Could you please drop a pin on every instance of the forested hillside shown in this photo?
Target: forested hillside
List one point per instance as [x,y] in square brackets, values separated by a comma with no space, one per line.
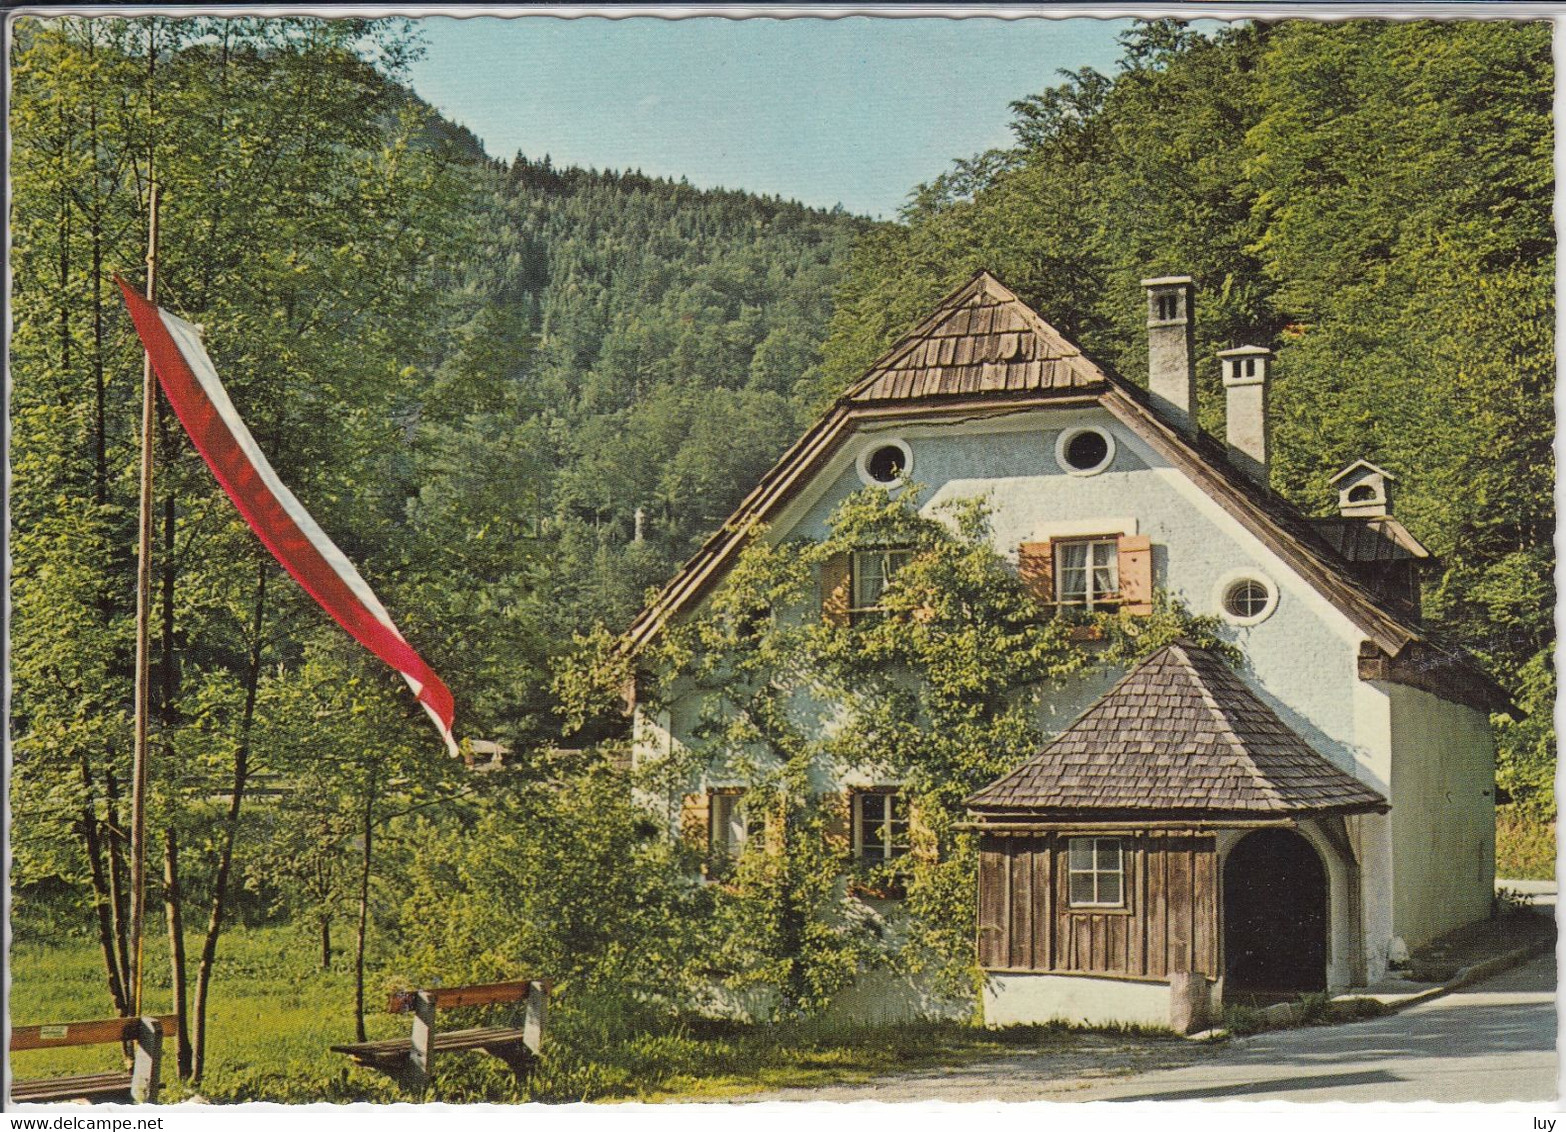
[621,345]
[1370,199]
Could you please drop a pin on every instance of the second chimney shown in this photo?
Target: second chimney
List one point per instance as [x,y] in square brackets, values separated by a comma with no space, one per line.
[1245,383]
[1171,369]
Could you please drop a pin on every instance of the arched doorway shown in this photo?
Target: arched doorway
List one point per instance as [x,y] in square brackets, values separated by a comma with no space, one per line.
[1274,916]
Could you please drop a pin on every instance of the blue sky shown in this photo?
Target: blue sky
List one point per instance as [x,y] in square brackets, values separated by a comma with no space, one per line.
[854,111]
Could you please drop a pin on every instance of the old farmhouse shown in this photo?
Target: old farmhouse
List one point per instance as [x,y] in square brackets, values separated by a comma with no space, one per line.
[1195,831]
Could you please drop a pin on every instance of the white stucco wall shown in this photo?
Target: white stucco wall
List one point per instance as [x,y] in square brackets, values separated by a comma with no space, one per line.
[1027,1000]
[1443,819]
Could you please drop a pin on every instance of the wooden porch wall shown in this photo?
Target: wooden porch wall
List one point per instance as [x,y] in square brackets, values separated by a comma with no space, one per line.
[1169,922]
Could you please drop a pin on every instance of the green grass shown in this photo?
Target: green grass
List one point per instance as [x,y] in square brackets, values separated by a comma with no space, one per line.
[1524,846]
[274,1015]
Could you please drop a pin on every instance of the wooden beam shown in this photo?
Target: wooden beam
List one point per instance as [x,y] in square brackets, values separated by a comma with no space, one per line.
[93,1033]
[448,998]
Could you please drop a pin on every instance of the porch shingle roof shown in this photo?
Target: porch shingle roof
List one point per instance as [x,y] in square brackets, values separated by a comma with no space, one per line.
[1179,733]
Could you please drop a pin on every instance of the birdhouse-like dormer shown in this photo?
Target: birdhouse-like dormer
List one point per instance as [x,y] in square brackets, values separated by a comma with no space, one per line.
[1364,491]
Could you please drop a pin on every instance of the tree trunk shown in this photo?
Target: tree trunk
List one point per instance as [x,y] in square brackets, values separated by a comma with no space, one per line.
[101,896]
[230,831]
[118,895]
[171,906]
[325,925]
[364,908]
[65,246]
[166,651]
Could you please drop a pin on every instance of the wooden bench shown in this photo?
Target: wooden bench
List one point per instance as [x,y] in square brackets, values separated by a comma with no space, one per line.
[408,1061]
[140,1084]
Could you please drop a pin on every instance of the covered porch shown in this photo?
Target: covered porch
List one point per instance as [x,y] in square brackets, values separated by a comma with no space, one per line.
[1175,847]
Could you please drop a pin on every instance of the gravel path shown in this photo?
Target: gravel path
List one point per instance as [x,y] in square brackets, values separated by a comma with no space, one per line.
[1091,1060]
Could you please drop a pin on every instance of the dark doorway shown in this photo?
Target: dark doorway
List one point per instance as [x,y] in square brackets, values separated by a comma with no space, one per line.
[1274,917]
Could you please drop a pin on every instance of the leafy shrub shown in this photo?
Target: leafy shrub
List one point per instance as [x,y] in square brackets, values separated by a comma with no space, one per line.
[1524,845]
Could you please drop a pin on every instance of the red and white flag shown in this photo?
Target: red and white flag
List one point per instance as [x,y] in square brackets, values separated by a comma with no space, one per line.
[295,539]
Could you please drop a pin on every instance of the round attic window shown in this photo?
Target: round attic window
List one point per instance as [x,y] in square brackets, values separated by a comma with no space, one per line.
[1246,598]
[885,463]
[1084,451]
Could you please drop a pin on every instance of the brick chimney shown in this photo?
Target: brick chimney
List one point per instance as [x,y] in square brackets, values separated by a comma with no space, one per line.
[1171,368]
[1246,427]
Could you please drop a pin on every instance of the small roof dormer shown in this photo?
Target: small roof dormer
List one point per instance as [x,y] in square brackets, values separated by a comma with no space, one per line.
[1364,491]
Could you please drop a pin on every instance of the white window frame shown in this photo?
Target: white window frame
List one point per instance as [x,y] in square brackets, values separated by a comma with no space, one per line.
[889,834]
[1234,578]
[728,824]
[1089,599]
[1095,872]
[862,464]
[1063,442]
[903,555]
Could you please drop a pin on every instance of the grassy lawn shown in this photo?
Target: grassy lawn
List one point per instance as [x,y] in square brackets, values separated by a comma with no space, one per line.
[274,1015]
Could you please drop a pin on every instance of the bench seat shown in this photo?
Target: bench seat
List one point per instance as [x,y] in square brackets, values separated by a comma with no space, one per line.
[450,1041]
[95,1087]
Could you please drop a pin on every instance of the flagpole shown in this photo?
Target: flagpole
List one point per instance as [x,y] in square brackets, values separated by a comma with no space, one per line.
[143,620]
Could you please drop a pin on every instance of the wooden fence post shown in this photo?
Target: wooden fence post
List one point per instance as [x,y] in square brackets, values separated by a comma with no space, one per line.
[533,1019]
[148,1060]
[422,1054]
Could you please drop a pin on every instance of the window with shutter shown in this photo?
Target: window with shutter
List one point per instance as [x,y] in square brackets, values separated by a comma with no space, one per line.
[880,826]
[732,824]
[1087,572]
[1096,573]
[873,571]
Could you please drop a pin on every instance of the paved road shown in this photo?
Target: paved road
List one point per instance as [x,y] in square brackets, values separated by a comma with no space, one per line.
[1493,1042]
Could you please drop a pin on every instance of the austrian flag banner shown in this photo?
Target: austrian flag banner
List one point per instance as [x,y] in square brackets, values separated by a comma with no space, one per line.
[295,539]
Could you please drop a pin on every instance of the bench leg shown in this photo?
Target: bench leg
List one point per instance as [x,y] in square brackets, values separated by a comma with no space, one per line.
[147,1061]
[517,1057]
[533,1020]
[420,1057]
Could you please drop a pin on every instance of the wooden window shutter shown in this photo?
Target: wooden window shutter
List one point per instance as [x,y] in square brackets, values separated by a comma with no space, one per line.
[837,580]
[696,821]
[838,826]
[1036,567]
[774,831]
[1136,574]
[921,838]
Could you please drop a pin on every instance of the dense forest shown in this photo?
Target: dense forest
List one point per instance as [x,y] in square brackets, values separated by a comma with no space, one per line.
[518,395]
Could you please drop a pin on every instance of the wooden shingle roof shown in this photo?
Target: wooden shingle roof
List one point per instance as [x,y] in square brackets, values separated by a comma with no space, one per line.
[1181,734]
[1381,539]
[981,339]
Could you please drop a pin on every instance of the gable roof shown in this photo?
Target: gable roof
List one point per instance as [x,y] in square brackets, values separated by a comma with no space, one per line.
[1017,360]
[1181,734]
[980,339]
[1367,465]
